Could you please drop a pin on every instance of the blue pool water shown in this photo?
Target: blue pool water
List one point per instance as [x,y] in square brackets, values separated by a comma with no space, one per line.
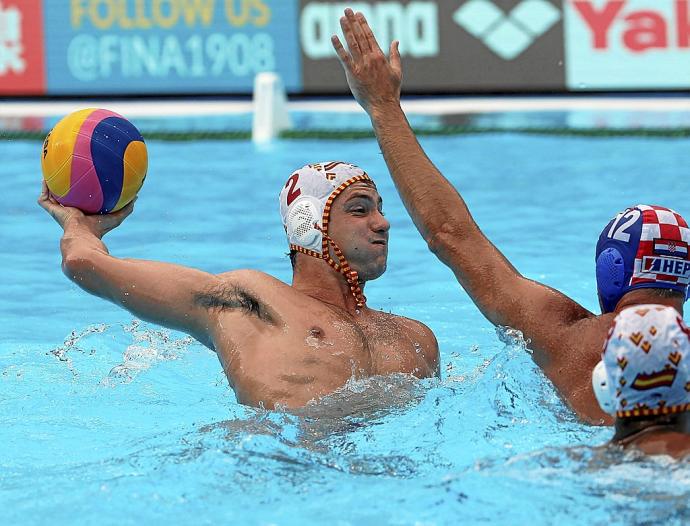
[106,420]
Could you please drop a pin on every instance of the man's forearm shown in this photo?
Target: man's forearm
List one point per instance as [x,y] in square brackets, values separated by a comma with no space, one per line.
[436,208]
[80,247]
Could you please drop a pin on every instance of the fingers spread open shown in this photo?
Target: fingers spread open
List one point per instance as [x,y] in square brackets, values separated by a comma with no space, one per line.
[361,38]
[368,33]
[350,38]
[343,55]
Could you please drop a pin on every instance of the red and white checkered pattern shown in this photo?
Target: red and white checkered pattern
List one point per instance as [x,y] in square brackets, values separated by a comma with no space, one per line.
[658,223]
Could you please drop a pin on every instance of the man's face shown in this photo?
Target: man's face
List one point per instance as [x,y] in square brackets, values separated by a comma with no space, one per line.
[358,227]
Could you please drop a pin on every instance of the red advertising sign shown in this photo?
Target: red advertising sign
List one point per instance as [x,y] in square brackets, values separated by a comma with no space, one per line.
[627,44]
[21,48]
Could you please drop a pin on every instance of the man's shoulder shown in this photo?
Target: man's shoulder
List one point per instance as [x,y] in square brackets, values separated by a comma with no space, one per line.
[249,278]
[577,348]
[596,326]
[408,324]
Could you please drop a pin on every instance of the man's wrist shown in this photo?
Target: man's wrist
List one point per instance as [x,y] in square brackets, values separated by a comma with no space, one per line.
[75,226]
[383,110]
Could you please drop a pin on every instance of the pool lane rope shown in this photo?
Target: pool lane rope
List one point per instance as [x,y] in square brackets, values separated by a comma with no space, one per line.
[242,135]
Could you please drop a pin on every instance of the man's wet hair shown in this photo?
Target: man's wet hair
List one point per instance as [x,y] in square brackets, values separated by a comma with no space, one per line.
[628,427]
[667,293]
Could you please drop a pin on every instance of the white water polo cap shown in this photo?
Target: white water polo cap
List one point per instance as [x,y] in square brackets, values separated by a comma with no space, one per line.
[305,207]
[645,367]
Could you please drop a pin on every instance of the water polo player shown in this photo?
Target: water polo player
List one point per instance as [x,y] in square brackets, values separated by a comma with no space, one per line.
[278,344]
[642,256]
[643,380]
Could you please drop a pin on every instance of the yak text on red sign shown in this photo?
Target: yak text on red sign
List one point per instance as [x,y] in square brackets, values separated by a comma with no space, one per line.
[633,44]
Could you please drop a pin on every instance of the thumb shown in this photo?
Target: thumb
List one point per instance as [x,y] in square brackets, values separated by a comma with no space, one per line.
[123,212]
[396,63]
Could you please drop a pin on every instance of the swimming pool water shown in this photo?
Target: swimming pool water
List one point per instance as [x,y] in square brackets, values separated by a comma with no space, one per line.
[108,420]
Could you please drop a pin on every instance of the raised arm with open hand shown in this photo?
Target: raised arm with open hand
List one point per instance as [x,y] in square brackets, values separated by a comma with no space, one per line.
[374,80]
[549,319]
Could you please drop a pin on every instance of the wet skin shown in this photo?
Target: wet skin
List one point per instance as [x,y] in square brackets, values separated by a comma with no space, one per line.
[661,435]
[279,344]
[666,442]
[566,338]
[296,348]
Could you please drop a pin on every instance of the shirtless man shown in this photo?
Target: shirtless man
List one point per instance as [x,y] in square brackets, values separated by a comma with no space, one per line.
[642,254]
[278,344]
[643,380]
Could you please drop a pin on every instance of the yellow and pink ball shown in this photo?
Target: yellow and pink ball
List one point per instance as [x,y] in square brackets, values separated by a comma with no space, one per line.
[94,160]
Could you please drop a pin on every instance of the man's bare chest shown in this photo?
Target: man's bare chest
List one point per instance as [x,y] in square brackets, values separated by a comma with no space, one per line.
[309,355]
[324,343]
[377,344]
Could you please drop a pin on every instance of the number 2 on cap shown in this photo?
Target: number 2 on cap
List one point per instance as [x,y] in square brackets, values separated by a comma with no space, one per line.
[619,232]
[293,193]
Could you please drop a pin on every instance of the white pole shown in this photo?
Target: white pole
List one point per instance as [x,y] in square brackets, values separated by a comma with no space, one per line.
[270,108]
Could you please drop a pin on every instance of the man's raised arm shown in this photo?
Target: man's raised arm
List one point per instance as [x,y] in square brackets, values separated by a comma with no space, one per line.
[161,293]
[502,294]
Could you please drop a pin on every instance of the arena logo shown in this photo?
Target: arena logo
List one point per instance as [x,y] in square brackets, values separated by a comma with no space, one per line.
[507,35]
[644,29]
[414,24]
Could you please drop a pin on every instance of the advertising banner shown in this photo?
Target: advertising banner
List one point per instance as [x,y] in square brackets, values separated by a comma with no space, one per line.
[171,46]
[138,47]
[627,44]
[21,48]
[449,45]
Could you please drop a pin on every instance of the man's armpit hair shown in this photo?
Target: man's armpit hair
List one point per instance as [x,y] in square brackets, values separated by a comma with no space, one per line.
[229,297]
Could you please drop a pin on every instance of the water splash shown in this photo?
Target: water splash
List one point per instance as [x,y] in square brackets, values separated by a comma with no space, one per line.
[513,338]
[150,346]
[634,484]
[326,433]
[70,345]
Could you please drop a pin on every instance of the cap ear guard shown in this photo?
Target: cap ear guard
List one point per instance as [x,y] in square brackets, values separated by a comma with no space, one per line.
[303,215]
[602,389]
[610,278]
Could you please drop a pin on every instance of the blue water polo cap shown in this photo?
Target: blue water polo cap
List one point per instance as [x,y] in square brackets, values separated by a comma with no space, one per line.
[642,247]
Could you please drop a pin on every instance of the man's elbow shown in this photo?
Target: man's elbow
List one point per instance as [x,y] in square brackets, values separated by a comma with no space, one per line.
[445,241]
[76,266]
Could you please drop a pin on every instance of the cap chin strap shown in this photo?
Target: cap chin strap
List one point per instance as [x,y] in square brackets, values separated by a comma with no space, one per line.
[343,267]
[306,215]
